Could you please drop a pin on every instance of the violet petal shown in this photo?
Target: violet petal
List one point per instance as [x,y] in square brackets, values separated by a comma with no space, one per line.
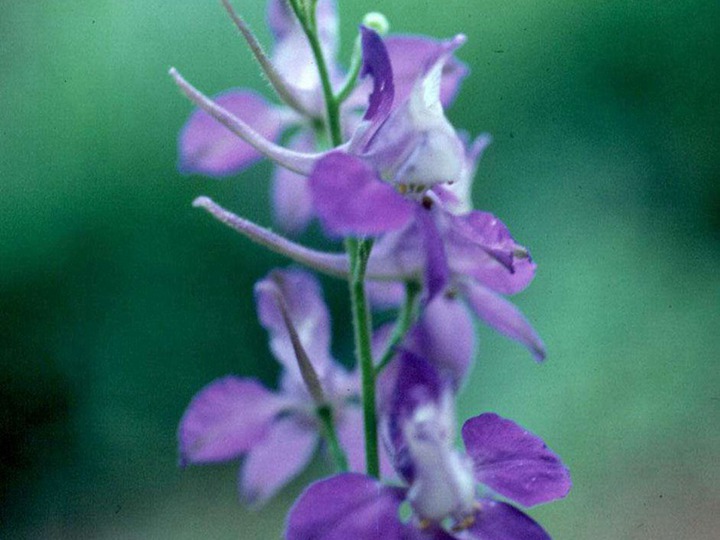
[349,198]
[437,272]
[446,337]
[415,383]
[501,521]
[277,459]
[308,312]
[503,316]
[480,245]
[347,506]
[207,147]
[225,419]
[292,201]
[351,433]
[514,462]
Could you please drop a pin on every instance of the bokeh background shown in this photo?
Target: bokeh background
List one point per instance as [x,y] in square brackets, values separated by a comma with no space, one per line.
[118,300]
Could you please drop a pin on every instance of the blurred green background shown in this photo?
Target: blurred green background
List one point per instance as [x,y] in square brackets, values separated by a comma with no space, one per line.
[118,300]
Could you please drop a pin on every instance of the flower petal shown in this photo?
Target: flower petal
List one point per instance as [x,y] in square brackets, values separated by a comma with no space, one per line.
[415,384]
[292,56]
[352,438]
[347,506]
[503,316]
[308,312]
[514,462]
[207,147]
[410,56]
[350,199]
[292,201]
[277,459]
[437,271]
[481,246]
[225,419]
[446,337]
[500,521]
[376,63]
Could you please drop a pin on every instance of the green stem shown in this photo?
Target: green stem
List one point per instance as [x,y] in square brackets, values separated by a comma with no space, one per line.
[402,325]
[359,251]
[351,80]
[325,415]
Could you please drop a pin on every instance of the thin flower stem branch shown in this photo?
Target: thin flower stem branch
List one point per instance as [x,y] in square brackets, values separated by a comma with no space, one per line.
[352,77]
[402,325]
[359,251]
[324,413]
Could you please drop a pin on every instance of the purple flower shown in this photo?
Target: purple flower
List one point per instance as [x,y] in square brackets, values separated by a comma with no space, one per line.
[277,432]
[440,480]
[207,146]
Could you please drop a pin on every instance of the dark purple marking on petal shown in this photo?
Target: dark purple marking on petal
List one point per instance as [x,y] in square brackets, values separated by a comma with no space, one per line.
[446,337]
[277,459]
[480,245]
[497,520]
[207,147]
[437,272]
[226,419]
[307,310]
[376,63]
[503,316]
[350,199]
[513,461]
[347,506]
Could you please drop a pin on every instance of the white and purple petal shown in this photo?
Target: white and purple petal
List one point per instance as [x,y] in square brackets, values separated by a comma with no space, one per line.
[226,419]
[208,147]
[513,461]
[277,459]
[347,506]
[502,315]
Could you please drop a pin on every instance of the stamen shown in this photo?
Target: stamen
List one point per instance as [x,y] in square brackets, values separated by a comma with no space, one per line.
[464,524]
[427,203]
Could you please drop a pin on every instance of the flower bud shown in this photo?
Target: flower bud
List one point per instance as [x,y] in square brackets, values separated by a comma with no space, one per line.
[377,21]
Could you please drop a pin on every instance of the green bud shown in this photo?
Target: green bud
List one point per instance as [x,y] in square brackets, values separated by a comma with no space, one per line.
[377,21]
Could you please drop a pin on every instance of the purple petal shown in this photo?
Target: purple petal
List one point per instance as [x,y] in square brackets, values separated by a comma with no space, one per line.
[352,438]
[292,201]
[308,312]
[376,63]
[292,56]
[277,459]
[503,316]
[207,147]
[350,199]
[480,245]
[347,506]
[437,272]
[226,419]
[514,462]
[410,56]
[415,383]
[446,337]
[384,294]
[497,520]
